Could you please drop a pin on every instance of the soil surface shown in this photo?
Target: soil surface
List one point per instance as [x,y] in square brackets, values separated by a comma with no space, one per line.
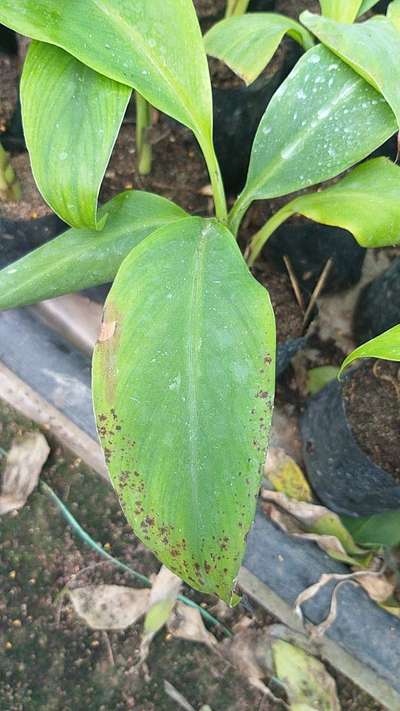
[372,397]
[8,88]
[178,171]
[51,660]
[31,206]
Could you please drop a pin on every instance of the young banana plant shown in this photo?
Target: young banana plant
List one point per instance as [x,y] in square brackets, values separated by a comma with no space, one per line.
[184,368]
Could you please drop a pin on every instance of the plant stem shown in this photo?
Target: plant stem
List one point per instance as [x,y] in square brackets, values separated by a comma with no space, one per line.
[237,213]
[10,188]
[217,184]
[236,7]
[260,238]
[143,125]
[118,563]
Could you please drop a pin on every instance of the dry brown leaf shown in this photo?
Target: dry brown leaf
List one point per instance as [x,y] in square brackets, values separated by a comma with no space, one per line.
[316,523]
[107,330]
[306,513]
[248,652]
[22,471]
[329,544]
[109,607]
[186,623]
[378,587]
[251,653]
[354,578]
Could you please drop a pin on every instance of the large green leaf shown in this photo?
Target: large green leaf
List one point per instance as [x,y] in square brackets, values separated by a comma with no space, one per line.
[155,47]
[81,258]
[322,120]
[371,48]
[247,43]
[183,387]
[385,346]
[366,202]
[72,116]
[341,10]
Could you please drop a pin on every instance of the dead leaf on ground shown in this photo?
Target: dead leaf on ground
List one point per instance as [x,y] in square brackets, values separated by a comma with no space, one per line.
[109,607]
[286,476]
[24,464]
[186,623]
[250,653]
[308,685]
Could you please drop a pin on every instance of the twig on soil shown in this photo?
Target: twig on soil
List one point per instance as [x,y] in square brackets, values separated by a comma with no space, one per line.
[142,578]
[294,282]
[317,291]
[176,696]
[109,648]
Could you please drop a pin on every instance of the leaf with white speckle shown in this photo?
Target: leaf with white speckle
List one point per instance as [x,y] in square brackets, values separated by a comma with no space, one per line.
[311,132]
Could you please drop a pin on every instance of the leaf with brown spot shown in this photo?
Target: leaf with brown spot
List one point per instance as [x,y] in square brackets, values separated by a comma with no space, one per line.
[107,330]
[180,379]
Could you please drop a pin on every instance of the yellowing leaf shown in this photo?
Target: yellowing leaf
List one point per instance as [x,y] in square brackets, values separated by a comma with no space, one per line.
[286,476]
[308,684]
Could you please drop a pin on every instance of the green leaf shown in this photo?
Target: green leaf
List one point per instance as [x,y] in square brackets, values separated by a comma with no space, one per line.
[310,131]
[72,117]
[371,48]
[78,259]
[155,47]
[386,346]
[393,13]
[366,202]
[378,530]
[247,43]
[317,378]
[183,382]
[308,684]
[341,10]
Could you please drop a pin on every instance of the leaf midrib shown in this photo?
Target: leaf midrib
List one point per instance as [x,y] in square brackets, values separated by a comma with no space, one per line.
[302,137]
[193,358]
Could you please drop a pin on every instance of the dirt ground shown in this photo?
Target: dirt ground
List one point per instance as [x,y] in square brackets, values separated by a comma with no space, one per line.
[50,660]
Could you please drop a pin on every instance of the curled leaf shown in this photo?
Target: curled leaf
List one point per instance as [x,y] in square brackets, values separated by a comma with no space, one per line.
[186,623]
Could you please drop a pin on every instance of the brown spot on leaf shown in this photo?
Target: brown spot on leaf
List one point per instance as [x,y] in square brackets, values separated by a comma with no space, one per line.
[107,330]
